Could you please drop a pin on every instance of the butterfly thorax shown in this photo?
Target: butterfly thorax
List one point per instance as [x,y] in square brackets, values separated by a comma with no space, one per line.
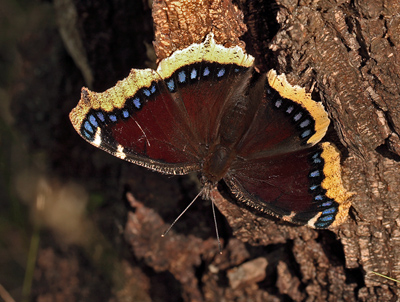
[217,163]
[234,123]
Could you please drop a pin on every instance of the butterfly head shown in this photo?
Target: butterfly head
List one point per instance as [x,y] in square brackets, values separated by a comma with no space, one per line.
[208,187]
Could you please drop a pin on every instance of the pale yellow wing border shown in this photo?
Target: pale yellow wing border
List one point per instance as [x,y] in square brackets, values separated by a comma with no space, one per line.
[299,95]
[116,96]
[333,184]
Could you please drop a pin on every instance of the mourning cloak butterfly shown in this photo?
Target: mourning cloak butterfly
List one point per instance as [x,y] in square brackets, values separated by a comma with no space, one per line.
[206,109]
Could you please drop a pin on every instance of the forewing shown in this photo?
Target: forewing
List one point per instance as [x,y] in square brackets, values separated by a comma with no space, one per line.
[165,119]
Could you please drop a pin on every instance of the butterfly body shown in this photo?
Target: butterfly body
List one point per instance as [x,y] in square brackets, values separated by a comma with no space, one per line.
[206,110]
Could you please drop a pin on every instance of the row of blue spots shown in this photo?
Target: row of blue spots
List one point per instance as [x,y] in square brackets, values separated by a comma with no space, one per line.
[90,126]
[304,123]
[296,117]
[182,78]
[137,102]
[316,159]
[91,123]
[149,91]
[92,120]
[328,215]
[325,203]
[326,219]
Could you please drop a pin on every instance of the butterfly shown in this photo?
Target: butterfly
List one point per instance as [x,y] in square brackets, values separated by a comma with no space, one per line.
[207,110]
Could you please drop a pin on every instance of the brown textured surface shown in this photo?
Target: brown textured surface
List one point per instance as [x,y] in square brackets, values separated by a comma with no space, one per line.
[179,23]
[347,51]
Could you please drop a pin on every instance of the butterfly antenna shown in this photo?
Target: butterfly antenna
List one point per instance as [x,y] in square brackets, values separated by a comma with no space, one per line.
[183,212]
[216,226]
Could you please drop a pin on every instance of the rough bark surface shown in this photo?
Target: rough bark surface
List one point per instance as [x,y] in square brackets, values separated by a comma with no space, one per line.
[346,52]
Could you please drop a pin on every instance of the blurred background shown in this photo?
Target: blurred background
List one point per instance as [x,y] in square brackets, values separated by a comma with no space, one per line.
[61,219]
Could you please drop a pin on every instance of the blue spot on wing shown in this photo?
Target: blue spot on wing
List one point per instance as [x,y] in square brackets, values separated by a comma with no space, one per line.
[329,211]
[278,103]
[87,135]
[171,85]
[298,116]
[327,218]
[88,127]
[193,74]
[221,72]
[315,155]
[147,92]
[305,123]
[327,204]
[305,133]
[289,109]
[316,159]
[93,120]
[323,224]
[315,173]
[112,117]
[100,115]
[153,88]
[319,198]
[136,102]
[206,72]
[181,77]
[125,113]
